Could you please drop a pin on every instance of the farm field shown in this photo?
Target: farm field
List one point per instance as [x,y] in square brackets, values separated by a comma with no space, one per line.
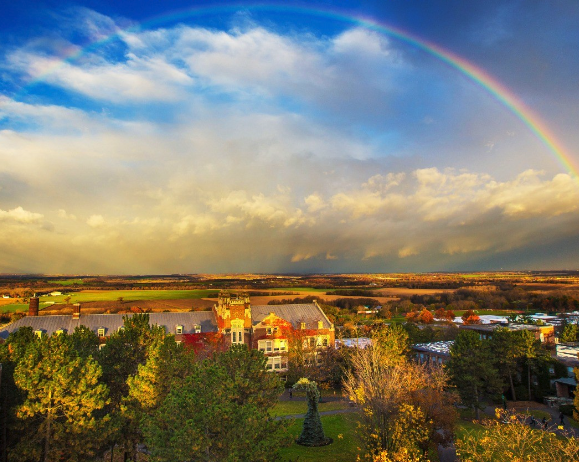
[164,299]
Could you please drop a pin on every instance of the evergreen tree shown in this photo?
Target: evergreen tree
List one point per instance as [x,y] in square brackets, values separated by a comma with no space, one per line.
[11,352]
[204,419]
[506,348]
[312,431]
[531,351]
[472,369]
[62,394]
[120,358]
[85,342]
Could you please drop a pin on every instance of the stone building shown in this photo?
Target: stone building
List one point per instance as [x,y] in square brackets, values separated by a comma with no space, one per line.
[233,320]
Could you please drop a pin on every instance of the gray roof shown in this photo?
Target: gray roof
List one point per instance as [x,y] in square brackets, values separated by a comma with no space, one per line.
[112,322]
[441,348]
[567,381]
[295,314]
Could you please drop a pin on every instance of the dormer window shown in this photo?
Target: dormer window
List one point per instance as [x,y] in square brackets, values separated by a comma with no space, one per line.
[197,328]
[101,332]
[302,325]
[269,331]
[38,333]
[179,329]
[320,324]
[59,331]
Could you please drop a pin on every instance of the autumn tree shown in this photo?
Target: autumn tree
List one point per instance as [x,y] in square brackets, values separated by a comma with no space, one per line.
[425,317]
[213,415]
[472,369]
[470,317]
[517,441]
[62,395]
[405,405]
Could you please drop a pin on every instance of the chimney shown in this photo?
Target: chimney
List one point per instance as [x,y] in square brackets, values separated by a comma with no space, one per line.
[33,306]
[76,311]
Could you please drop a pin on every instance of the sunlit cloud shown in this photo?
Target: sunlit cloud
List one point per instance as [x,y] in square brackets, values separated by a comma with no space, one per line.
[254,149]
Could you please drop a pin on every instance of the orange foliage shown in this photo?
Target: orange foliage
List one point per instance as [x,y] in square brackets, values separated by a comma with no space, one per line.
[426,317]
[470,317]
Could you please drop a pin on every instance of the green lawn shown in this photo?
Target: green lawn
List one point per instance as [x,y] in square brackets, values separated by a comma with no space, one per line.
[301,407]
[340,427]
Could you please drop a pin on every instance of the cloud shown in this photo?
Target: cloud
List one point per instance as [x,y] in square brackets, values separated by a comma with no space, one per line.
[96,221]
[256,149]
[19,215]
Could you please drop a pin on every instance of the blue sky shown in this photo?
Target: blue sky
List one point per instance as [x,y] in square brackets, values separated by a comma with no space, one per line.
[145,137]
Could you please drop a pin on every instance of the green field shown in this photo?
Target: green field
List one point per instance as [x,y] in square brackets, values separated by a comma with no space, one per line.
[113,295]
[300,289]
[68,282]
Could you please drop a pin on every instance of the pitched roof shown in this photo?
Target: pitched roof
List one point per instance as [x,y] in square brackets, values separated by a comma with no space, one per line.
[112,322]
[309,313]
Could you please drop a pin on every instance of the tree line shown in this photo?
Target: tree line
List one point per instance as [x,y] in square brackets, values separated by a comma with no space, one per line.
[63,398]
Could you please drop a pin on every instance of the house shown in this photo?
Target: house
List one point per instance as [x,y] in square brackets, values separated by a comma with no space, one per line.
[546,334]
[433,352]
[233,320]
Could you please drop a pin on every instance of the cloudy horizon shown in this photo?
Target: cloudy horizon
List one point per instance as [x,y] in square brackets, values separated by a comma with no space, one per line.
[246,142]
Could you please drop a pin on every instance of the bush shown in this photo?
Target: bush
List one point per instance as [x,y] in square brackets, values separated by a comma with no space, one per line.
[567,409]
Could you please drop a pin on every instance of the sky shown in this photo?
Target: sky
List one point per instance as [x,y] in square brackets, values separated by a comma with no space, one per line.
[147,137]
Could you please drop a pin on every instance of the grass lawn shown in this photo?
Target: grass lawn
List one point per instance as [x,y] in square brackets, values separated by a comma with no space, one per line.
[301,407]
[343,448]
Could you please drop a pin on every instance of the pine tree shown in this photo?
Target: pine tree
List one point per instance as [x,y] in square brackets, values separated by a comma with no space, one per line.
[204,419]
[472,369]
[506,348]
[62,394]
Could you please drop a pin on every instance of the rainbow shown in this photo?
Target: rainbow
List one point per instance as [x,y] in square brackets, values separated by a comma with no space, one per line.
[474,73]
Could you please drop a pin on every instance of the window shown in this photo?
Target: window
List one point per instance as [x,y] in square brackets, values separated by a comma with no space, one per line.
[325,341]
[269,331]
[302,325]
[179,329]
[59,331]
[197,328]
[276,363]
[320,324]
[237,331]
[101,332]
[38,333]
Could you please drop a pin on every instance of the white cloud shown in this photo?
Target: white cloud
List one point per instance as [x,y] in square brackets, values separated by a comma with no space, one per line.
[19,215]
[96,221]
